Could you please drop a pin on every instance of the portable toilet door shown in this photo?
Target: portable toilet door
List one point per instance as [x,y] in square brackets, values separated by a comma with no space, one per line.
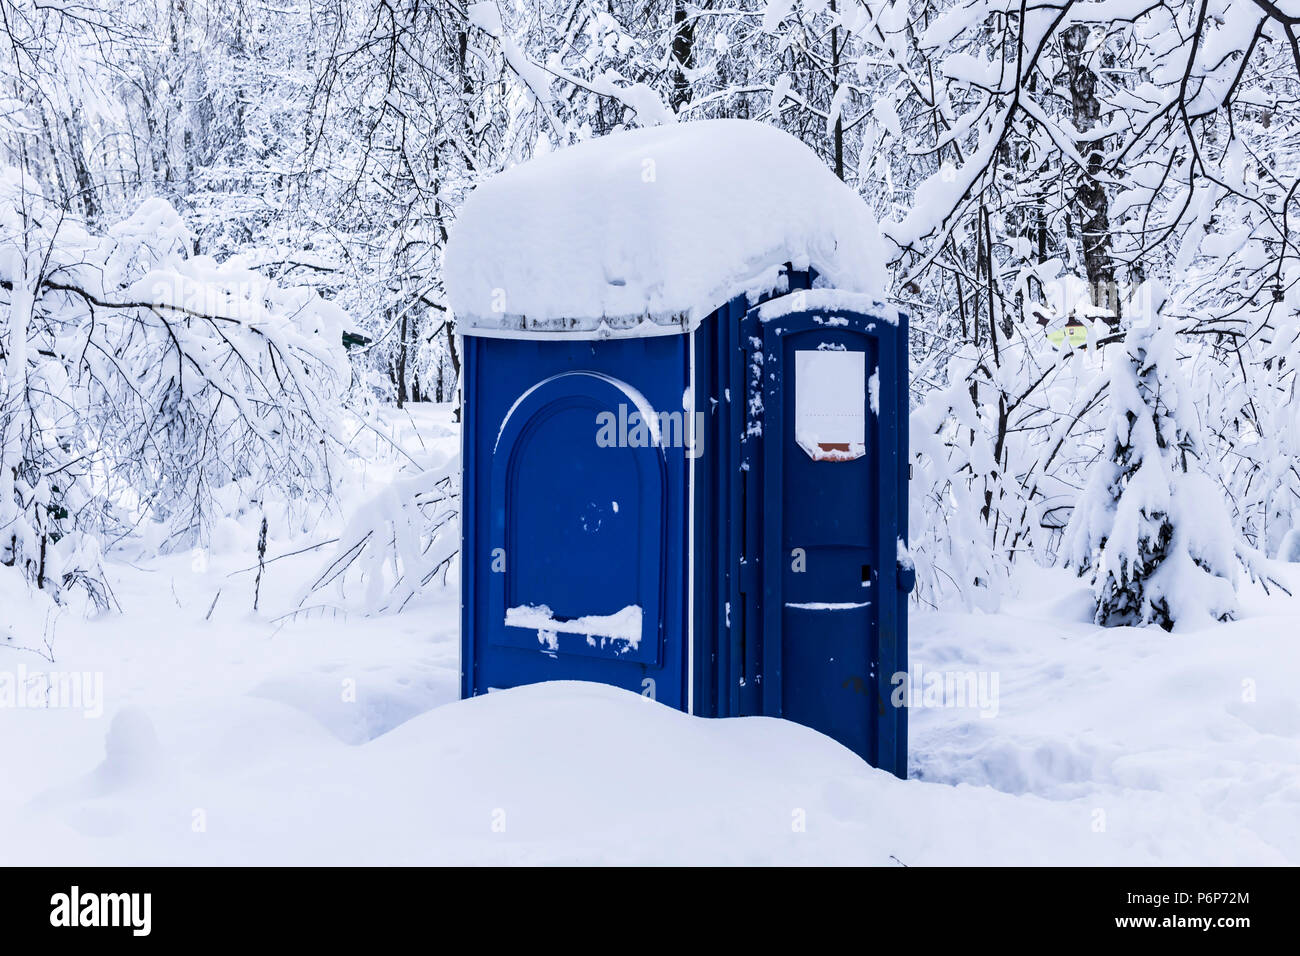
[575,516]
[833,482]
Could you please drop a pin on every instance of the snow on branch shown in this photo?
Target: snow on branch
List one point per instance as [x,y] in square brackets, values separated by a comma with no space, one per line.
[144,385]
[400,540]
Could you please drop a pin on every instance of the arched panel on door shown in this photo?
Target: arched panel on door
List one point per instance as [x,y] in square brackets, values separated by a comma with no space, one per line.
[578,513]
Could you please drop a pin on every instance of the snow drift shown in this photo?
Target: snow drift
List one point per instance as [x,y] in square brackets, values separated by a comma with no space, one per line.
[653,229]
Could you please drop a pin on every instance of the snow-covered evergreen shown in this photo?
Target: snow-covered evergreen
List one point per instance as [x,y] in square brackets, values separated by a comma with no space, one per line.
[1150,527]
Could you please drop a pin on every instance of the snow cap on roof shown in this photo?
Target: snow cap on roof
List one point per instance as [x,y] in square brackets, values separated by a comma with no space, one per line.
[650,230]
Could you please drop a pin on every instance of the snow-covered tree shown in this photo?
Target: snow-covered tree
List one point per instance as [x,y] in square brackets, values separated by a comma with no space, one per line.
[146,387]
[1151,527]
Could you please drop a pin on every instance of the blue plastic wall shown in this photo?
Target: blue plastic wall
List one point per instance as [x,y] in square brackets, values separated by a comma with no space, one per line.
[552,518]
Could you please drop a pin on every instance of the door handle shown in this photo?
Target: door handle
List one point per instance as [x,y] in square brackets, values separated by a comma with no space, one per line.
[906,578]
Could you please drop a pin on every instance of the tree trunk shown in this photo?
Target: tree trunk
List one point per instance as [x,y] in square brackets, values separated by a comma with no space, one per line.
[401,365]
[683,54]
[835,79]
[87,198]
[1091,199]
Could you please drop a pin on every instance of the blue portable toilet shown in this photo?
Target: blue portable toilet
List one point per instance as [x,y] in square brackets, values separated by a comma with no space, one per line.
[684,432]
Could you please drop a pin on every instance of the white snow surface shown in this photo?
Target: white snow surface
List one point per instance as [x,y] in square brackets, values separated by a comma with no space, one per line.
[650,230]
[245,724]
[827,300]
[623,625]
[223,736]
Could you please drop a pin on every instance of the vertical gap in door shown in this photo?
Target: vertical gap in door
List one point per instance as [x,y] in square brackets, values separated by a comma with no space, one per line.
[744,573]
[691,451]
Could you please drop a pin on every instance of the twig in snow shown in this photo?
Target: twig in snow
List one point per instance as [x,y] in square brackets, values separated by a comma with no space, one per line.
[261,563]
[212,606]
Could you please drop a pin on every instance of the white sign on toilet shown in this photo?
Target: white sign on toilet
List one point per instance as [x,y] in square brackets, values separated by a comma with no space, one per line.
[830,404]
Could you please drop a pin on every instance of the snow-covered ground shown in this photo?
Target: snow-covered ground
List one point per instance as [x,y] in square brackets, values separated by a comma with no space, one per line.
[329,738]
